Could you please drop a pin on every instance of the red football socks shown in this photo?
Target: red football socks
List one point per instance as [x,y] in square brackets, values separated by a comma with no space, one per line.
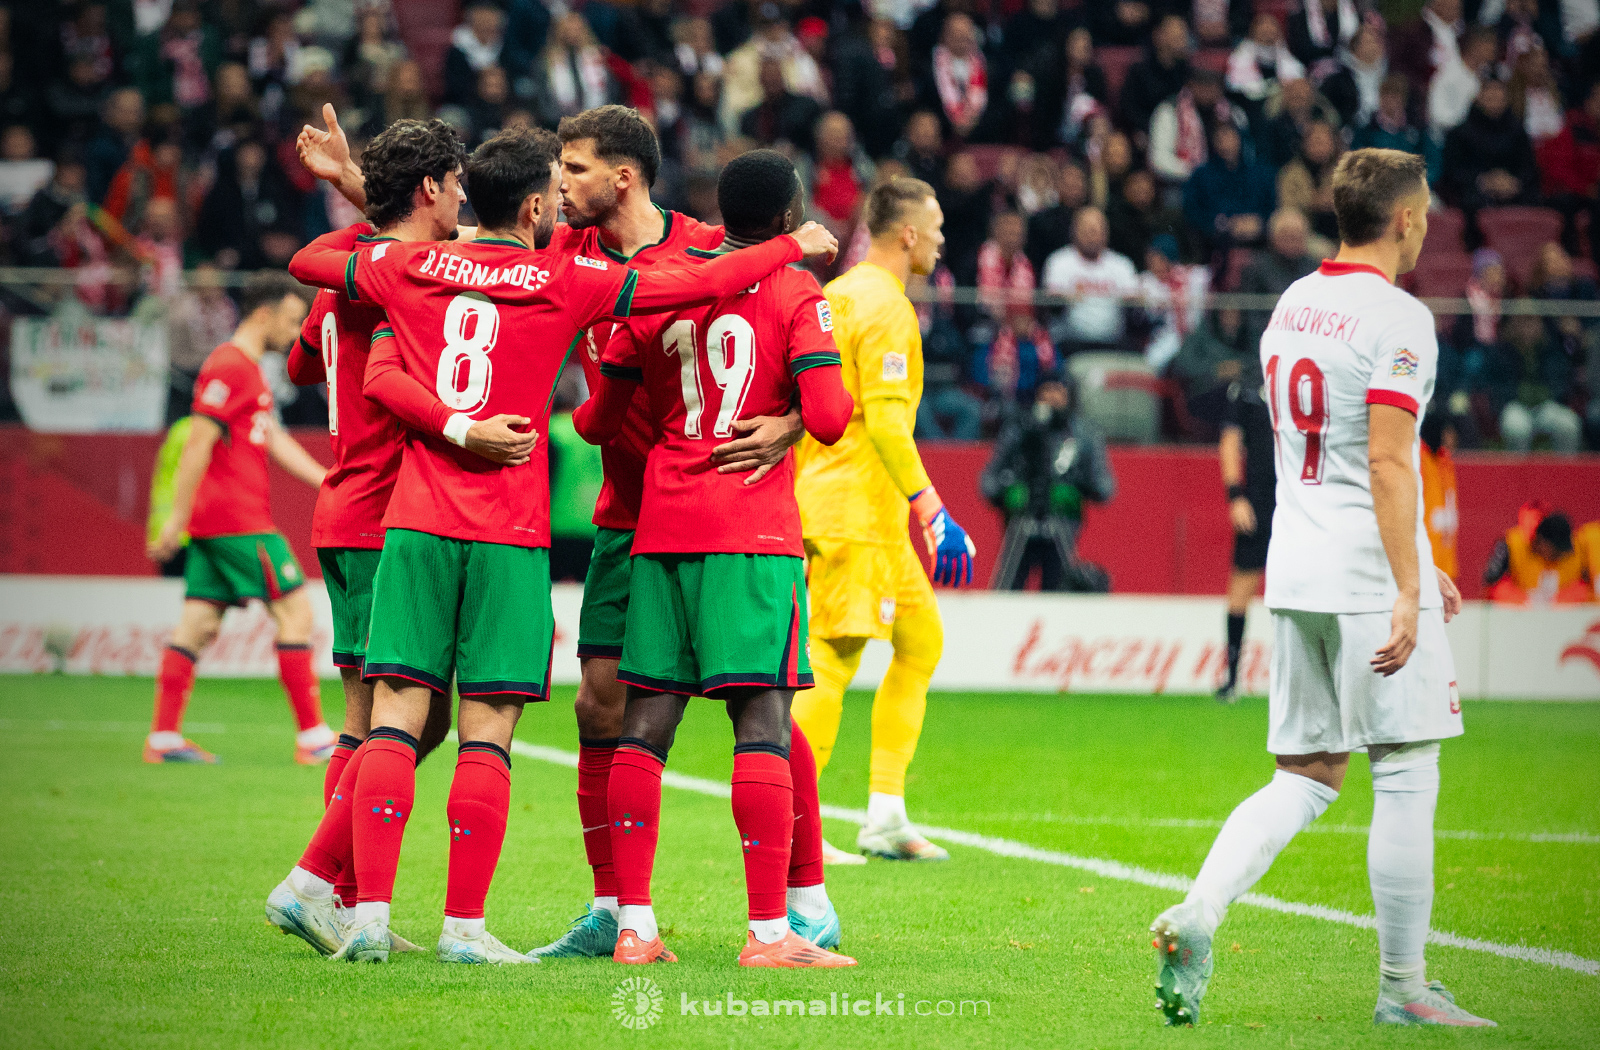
[480,799]
[174,684]
[330,853]
[341,754]
[633,800]
[300,684]
[384,788]
[594,776]
[763,811]
[805,852]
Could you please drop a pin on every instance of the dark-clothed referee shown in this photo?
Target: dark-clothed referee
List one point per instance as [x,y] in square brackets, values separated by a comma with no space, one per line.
[1247,471]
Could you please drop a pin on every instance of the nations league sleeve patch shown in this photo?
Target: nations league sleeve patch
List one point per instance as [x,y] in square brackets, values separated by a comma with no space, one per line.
[824,316]
[215,395]
[593,264]
[1405,363]
[894,367]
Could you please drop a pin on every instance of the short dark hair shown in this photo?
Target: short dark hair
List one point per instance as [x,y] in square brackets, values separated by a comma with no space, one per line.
[620,135]
[1556,530]
[267,288]
[399,158]
[506,170]
[754,189]
[1366,185]
[888,201]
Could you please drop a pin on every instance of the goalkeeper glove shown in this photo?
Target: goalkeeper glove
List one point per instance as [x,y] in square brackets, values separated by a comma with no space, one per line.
[951,547]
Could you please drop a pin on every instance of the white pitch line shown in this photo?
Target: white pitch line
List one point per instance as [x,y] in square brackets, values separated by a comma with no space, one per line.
[1585,838]
[1112,869]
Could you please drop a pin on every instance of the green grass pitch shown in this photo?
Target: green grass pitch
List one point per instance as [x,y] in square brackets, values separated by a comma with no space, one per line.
[133,894]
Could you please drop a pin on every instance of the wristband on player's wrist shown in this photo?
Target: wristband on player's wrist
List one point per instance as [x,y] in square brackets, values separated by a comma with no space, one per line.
[1237,492]
[456,427]
[926,504]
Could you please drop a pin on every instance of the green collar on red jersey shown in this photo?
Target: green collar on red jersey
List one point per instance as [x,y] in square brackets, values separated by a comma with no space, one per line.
[368,238]
[509,242]
[666,231]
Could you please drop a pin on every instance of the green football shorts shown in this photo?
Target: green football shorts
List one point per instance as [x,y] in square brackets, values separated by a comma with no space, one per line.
[604,617]
[478,612]
[703,624]
[349,572]
[229,569]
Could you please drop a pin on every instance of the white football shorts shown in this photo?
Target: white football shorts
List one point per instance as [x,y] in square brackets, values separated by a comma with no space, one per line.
[1325,696]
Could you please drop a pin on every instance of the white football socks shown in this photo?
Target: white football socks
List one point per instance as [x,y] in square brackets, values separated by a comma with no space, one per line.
[370,911]
[810,902]
[769,930]
[886,811]
[309,885]
[317,736]
[1405,792]
[641,919]
[608,905]
[1254,834]
[165,740]
[465,929]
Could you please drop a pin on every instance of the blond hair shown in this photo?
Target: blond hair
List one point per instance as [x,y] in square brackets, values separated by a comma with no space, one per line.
[888,201]
[1366,186]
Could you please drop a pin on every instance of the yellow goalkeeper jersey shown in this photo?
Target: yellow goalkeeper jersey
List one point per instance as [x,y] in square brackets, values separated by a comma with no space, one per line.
[844,491]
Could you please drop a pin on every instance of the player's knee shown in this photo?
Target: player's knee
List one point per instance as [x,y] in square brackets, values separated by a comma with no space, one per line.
[653,719]
[293,613]
[1406,768]
[436,728]
[601,700]
[919,640]
[761,718]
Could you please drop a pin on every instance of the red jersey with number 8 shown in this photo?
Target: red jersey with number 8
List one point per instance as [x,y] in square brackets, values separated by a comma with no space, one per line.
[367,438]
[702,368]
[232,497]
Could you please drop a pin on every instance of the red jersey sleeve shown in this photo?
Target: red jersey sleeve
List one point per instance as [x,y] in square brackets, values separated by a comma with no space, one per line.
[600,419]
[375,274]
[224,393]
[305,365]
[322,262]
[388,383]
[825,406]
[596,290]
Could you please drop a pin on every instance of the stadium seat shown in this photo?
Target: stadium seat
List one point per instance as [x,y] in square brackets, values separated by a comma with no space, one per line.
[1115,63]
[1445,228]
[1518,234]
[1441,276]
[1586,268]
[1120,394]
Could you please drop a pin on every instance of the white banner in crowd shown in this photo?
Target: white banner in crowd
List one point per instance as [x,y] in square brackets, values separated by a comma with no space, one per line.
[1015,642]
[75,373]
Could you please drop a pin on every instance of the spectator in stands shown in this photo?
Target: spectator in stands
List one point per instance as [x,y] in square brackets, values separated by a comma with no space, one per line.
[1554,279]
[921,148]
[152,171]
[250,198]
[1111,155]
[696,49]
[1174,299]
[1464,356]
[1097,279]
[1137,213]
[20,103]
[1047,462]
[967,201]
[947,409]
[1070,92]
[1005,276]
[1287,119]
[1214,355]
[1391,127]
[1319,30]
[1488,160]
[573,74]
[1535,97]
[270,59]
[159,247]
[475,45]
[745,81]
[1050,229]
[1421,47]
[491,104]
[229,114]
[1306,182]
[864,82]
[1528,378]
[74,103]
[841,173]
[23,173]
[781,115]
[40,224]
[703,134]
[1229,197]
[1457,84]
[405,97]
[369,58]
[198,319]
[1528,25]
[1036,34]
[1271,272]
[121,121]
[1036,184]
[1260,61]
[1569,164]
[1354,87]
[959,78]
[1182,126]
[1121,23]
[1159,76]
[175,66]
[1019,353]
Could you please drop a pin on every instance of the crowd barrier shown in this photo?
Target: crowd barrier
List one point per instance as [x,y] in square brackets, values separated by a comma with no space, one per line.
[1014,642]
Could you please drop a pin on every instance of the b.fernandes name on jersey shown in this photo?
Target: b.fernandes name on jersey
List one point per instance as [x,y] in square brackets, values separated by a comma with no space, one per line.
[450,267]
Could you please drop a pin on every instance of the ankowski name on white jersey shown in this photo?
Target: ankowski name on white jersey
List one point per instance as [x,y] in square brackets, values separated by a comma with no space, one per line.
[1341,339]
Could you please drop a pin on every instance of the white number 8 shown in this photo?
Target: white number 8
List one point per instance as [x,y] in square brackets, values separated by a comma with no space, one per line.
[484,319]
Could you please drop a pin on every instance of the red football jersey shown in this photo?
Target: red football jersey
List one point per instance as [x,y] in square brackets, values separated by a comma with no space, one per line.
[622,458]
[367,438]
[483,328]
[701,369]
[232,497]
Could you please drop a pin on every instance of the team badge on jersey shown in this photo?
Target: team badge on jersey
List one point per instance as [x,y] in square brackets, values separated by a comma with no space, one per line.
[593,264]
[824,316]
[215,394]
[1405,363]
[886,610]
[894,367]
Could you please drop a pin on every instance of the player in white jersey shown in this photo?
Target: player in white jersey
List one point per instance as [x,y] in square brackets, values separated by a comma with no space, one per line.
[1360,660]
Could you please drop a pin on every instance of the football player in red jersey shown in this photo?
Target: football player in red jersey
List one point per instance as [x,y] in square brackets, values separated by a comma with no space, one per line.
[463,584]
[718,592]
[413,184]
[220,497]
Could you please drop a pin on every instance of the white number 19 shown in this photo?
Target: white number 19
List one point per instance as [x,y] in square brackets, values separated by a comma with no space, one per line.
[730,353]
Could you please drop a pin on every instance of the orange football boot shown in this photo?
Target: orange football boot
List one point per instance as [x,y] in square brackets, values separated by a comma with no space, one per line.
[632,949]
[792,950]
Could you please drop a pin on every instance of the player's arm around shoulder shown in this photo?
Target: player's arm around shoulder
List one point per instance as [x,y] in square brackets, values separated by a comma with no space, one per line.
[599,419]
[305,365]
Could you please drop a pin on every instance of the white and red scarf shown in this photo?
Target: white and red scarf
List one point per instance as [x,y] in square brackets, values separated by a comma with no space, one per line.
[963,85]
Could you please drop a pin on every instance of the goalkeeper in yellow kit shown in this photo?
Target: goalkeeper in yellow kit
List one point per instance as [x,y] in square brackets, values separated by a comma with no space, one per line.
[866,580]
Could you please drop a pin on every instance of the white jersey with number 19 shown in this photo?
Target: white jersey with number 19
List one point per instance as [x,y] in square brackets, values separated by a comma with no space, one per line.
[1340,339]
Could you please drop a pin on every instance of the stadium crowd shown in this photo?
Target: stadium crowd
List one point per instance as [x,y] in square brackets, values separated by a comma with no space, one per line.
[1130,156]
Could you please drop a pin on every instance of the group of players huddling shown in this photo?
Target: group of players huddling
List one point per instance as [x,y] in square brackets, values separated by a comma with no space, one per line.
[709,358]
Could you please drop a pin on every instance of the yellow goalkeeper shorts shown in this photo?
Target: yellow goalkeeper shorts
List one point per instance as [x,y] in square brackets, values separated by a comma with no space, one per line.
[857,589]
